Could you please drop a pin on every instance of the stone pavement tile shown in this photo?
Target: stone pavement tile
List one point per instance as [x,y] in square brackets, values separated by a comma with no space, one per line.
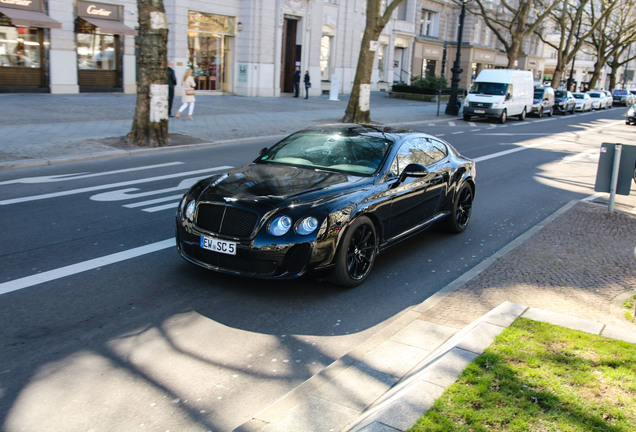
[619,333]
[443,371]
[504,314]
[404,409]
[394,358]
[424,334]
[561,320]
[313,414]
[356,387]
[480,337]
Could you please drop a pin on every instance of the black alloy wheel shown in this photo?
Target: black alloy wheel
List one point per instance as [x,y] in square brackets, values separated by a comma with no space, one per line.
[462,209]
[356,253]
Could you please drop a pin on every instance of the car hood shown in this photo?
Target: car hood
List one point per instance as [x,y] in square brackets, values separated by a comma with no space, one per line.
[274,184]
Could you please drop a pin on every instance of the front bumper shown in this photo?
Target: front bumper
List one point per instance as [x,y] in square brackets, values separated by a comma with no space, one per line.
[483,112]
[253,258]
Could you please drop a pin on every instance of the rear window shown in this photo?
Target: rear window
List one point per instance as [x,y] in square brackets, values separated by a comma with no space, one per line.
[619,92]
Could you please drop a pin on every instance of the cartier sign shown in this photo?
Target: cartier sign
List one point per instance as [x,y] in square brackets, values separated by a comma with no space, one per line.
[34,5]
[97,10]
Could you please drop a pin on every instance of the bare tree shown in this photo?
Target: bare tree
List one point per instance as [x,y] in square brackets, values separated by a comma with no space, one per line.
[359,110]
[513,22]
[568,17]
[614,35]
[150,125]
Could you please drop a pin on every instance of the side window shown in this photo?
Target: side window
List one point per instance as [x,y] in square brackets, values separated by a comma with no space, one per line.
[423,151]
[509,93]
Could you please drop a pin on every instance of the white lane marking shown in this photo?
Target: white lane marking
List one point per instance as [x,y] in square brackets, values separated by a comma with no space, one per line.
[36,279]
[77,176]
[592,153]
[510,151]
[154,201]
[123,194]
[172,206]
[108,186]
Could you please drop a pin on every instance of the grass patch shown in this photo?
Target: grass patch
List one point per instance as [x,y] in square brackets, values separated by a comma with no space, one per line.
[540,377]
[629,306]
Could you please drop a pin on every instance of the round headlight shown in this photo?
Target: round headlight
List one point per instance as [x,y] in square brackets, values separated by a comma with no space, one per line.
[280,226]
[307,225]
[189,210]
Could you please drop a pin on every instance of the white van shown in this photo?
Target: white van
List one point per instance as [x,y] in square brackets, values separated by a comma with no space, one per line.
[500,93]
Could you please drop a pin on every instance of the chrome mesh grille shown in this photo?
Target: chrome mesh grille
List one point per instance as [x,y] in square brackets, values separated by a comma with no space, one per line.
[226,220]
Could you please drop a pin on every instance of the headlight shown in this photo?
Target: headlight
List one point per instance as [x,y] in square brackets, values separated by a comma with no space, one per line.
[630,112]
[306,225]
[499,105]
[189,210]
[280,226]
[466,103]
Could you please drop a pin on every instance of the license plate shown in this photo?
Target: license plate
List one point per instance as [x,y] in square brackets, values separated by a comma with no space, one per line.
[480,112]
[217,245]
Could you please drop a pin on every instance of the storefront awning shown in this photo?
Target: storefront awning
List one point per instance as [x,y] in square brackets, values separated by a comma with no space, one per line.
[21,17]
[111,27]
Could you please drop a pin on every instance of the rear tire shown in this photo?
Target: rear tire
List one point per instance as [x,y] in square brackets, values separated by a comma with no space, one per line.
[522,116]
[458,220]
[356,253]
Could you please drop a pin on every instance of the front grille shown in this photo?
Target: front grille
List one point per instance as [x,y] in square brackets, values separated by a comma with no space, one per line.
[226,220]
[480,105]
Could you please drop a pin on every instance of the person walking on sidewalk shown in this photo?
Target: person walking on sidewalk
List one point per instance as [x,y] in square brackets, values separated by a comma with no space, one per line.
[188,94]
[307,82]
[172,81]
[297,81]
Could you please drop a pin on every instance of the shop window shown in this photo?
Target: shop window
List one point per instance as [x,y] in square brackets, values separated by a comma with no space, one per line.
[208,48]
[428,68]
[19,47]
[325,57]
[96,51]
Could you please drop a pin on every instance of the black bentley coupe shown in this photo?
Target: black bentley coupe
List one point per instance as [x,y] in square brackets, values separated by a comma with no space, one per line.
[326,198]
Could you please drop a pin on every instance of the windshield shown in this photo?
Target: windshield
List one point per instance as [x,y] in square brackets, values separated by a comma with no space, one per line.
[619,92]
[496,89]
[579,96]
[561,94]
[538,93]
[359,154]
[595,95]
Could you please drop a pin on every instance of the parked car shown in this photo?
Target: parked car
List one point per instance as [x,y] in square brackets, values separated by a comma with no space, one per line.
[329,197]
[543,101]
[630,115]
[622,97]
[599,100]
[500,93]
[564,102]
[610,99]
[583,102]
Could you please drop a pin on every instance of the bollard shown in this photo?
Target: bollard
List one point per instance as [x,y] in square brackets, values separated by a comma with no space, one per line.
[614,181]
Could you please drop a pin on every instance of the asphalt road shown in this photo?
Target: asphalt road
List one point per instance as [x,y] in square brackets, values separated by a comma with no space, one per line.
[104,327]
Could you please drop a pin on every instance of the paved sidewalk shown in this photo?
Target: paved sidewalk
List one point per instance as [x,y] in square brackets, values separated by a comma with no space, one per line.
[573,269]
[43,129]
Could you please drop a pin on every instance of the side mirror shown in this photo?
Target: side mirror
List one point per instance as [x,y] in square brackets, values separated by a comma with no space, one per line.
[413,170]
[508,96]
[263,151]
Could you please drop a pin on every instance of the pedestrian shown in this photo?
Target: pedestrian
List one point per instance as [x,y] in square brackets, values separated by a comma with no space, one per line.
[172,81]
[188,94]
[307,82]
[297,81]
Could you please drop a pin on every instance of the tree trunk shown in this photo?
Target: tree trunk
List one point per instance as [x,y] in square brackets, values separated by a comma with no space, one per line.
[359,107]
[150,124]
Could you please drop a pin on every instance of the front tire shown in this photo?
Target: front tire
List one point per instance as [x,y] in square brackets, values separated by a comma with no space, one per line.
[504,116]
[356,253]
[462,209]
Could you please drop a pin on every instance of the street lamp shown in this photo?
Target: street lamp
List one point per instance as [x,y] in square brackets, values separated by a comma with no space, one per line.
[452,108]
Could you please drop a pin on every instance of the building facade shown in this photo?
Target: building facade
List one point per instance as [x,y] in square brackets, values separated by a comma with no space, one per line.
[243,47]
